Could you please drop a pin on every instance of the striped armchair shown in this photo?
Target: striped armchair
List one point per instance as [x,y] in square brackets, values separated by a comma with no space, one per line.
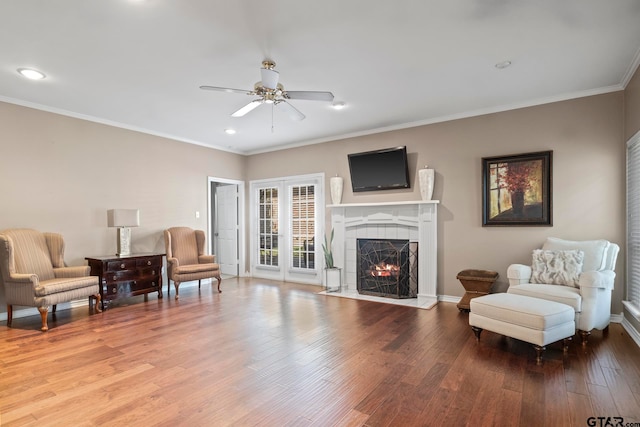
[186,260]
[33,273]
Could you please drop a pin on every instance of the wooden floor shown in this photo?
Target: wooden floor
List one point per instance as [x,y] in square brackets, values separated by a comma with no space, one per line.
[276,354]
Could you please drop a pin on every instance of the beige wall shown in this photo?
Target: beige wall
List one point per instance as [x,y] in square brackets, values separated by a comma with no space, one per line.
[61,174]
[588,179]
[632,106]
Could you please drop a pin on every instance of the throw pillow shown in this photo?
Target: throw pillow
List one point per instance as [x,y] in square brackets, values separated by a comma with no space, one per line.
[557,267]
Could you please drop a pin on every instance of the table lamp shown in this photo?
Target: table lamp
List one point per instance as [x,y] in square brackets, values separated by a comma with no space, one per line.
[123,219]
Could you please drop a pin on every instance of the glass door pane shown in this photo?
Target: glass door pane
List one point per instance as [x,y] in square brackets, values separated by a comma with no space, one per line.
[303,226]
[268,223]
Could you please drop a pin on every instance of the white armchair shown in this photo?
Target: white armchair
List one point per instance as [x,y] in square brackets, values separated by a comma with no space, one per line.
[588,293]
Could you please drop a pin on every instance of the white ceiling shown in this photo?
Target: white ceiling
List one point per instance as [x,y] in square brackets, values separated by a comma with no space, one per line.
[139,64]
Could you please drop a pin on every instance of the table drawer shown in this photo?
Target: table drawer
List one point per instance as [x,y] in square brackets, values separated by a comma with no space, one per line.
[117,276]
[149,262]
[150,272]
[111,290]
[140,285]
[123,264]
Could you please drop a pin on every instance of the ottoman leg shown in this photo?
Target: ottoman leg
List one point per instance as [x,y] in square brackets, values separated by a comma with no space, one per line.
[477,331]
[539,351]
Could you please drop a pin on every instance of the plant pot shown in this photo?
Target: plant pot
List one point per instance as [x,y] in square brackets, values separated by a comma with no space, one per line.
[332,279]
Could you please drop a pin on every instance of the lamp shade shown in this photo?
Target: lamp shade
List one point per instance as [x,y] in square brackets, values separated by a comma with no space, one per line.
[123,218]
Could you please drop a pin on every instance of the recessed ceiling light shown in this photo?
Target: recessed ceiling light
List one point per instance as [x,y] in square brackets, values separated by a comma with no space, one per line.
[338,105]
[30,73]
[502,65]
[230,131]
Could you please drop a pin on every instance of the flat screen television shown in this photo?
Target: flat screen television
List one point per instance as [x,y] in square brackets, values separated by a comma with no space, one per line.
[379,170]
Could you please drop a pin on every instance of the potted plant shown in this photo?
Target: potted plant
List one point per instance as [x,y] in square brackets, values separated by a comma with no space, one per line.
[331,272]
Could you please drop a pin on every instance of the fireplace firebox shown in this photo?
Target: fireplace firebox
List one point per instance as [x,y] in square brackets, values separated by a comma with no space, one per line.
[387,268]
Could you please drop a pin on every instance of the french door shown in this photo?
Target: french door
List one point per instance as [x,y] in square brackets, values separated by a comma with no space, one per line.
[286,228]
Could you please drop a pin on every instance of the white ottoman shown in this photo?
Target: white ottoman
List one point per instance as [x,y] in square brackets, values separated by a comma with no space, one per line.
[533,320]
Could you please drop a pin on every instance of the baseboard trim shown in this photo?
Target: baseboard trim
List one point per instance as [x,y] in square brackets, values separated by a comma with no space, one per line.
[616,318]
[633,333]
[449,298]
[33,311]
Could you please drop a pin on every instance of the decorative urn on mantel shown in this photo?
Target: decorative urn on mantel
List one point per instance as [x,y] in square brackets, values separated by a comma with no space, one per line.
[426,180]
[336,184]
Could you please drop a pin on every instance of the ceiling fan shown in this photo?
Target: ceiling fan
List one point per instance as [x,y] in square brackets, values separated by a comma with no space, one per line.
[269,91]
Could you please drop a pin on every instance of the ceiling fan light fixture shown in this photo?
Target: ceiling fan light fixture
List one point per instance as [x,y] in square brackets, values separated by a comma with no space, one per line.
[269,78]
[270,91]
[31,74]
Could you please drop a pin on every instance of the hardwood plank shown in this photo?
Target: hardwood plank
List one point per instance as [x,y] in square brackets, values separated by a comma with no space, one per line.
[625,401]
[510,407]
[579,405]
[602,401]
[574,372]
[533,399]
[486,406]
[556,395]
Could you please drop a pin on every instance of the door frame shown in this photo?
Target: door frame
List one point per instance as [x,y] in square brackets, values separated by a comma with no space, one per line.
[240,220]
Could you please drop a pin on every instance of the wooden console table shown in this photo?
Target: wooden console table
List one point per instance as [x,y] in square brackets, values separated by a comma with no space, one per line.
[125,276]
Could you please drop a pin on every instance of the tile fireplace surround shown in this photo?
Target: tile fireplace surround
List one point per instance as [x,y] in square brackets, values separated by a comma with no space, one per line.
[415,221]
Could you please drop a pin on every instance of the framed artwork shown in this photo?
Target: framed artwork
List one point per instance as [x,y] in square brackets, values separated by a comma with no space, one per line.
[516,190]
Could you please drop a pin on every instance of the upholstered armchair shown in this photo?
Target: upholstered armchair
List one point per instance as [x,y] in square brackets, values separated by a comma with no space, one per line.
[576,273]
[33,273]
[186,259]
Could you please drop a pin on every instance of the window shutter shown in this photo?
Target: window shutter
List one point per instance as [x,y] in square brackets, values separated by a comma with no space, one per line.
[633,224]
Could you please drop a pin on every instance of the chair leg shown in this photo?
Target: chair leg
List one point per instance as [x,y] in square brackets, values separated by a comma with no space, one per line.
[176,285]
[54,308]
[476,331]
[98,299]
[43,313]
[9,314]
[219,280]
[585,336]
[198,283]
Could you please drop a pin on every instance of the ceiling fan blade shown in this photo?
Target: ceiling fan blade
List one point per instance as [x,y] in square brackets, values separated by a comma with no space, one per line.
[308,95]
[250,106]
[227,89]
[269,78]
[289,109]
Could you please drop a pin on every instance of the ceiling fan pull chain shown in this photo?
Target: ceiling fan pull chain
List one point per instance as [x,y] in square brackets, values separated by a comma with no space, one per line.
[271,118]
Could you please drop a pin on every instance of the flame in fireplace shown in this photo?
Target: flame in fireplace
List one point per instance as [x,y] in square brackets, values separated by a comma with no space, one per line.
[384,270]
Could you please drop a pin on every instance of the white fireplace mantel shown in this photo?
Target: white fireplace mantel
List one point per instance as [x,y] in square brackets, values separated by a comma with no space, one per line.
[415,221]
